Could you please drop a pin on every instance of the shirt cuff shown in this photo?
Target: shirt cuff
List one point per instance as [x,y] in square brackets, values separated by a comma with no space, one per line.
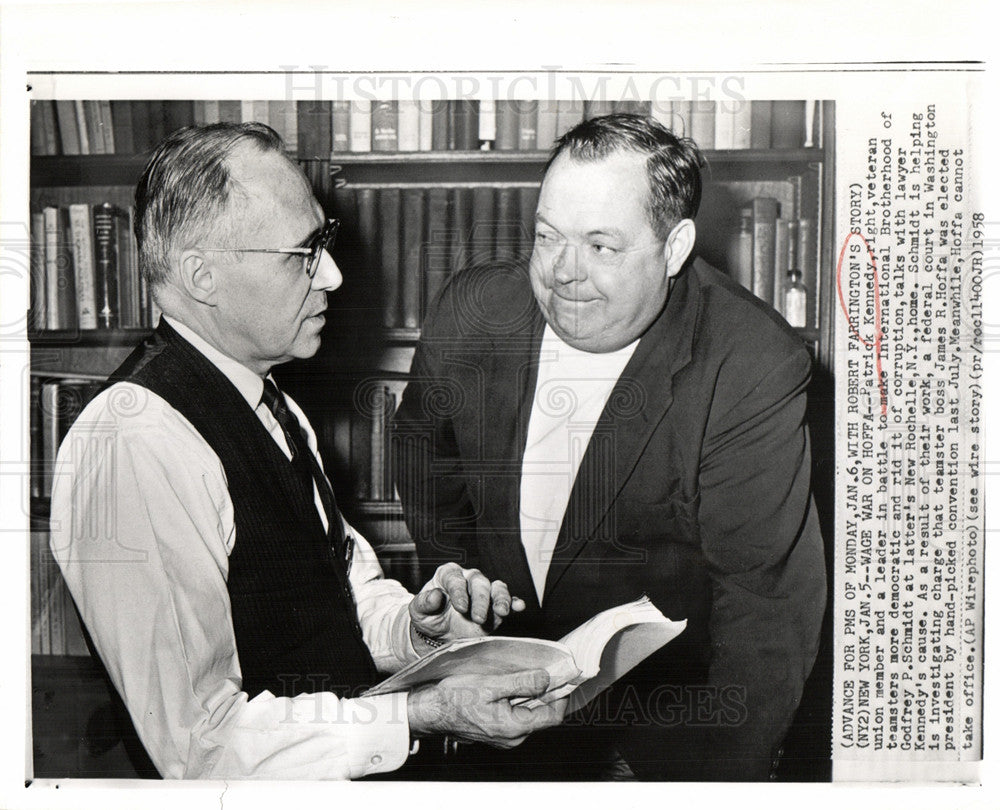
[380,741]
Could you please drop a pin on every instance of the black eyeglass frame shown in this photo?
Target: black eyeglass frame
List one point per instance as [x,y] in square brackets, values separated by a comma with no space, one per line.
[324,240]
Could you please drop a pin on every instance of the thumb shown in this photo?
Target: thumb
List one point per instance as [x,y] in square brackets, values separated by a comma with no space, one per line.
[527,683]
[429,602]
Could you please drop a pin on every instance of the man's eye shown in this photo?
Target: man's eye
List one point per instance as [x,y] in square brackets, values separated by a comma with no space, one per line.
[602,249]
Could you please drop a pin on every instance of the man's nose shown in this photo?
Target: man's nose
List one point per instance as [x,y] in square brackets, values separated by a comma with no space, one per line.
[566,267]
[328,276]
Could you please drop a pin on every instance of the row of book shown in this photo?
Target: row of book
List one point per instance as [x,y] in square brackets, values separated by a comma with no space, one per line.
[406,242]
[55,624]
[765,253]
[321,128]
[55,405]
[85,269]
[360,437]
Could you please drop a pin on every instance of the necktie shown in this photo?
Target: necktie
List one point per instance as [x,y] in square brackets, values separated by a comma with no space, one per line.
[307,467]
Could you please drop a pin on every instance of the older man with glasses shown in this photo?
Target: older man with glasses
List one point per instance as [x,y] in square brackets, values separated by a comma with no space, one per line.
[237,613]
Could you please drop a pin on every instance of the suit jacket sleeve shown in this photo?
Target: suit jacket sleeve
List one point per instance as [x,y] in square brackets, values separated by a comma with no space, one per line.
[427,466]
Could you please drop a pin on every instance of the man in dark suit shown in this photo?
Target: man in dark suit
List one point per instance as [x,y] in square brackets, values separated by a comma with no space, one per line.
[622,420]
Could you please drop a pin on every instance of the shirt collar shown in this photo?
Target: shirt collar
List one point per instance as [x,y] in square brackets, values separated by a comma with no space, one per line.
[247,382]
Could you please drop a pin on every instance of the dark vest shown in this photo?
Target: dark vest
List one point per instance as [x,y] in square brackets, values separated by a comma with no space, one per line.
[293,612]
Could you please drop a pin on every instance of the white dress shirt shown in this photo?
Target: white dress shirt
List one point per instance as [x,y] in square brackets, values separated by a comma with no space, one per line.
[142,527]
[572,389]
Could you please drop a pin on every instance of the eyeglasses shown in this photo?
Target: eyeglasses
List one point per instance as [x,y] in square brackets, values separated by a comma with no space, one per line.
[311,253]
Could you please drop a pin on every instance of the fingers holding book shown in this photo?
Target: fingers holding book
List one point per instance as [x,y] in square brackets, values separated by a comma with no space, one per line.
[459,603]
[480,709]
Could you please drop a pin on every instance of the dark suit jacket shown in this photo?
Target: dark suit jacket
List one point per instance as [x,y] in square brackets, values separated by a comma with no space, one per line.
[694,489]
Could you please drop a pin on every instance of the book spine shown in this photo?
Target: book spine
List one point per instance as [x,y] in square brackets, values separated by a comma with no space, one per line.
[38,290]
[81,228]
[56,608]
[105,250]
[438,252]
[69,132]
[142,137]
[725,127]
[368,240]
[95,133]
[508,227]
[128,276]
[278,116]
[507,125]
[466,124]
[340,124]
[230,112]
[51,233]
[596,108]
[527,125]
[388,488]
[385,127]
[121,118]
[570,113]
[487,124]
[50,128]
[483,242]
[409,125]
[82,128]
[765,214]
[461,242]
[546,132]
[108,128]
[178,114]
[742,124]
[781,266]
[389,264]
[361,455]
[50,433]
[410,266]
[788,124]
[702,130]
[35,436]
[760,124]
[37,129]
[210,111]
[426,126]
[361,126]
[806,253]
[262,112]
[39,545]
[66,281]
[440,131]
[377,478]
[681,112]
[741,251]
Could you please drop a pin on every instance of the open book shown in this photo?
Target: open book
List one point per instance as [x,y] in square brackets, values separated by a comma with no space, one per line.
[592,657]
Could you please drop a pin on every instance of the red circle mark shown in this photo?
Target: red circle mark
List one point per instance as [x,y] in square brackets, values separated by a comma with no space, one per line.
[876,343]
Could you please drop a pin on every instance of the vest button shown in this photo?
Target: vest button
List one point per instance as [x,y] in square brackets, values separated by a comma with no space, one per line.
[377,759]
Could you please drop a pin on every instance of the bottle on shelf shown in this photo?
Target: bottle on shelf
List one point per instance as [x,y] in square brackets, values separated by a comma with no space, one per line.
[795,300]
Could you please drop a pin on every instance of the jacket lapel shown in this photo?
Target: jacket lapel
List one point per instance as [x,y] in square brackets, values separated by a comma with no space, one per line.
[638,403]
[511,375]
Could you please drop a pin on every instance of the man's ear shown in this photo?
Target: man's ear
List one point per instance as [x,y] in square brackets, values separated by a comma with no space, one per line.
[198,277]
[679,245]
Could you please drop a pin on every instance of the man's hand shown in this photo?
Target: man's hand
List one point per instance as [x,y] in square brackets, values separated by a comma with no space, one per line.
[477,708]
[459,603]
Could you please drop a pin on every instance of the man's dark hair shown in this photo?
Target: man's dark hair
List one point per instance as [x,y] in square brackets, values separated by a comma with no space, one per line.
[184,188]
[673,165]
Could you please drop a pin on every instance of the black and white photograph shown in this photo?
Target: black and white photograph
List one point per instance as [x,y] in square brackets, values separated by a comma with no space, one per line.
[549,425]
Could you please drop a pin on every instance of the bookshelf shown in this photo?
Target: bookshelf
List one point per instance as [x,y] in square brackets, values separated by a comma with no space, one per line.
[466,198]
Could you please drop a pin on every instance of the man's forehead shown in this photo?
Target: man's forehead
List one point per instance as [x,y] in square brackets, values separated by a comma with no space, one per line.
[615,186]
[267,183]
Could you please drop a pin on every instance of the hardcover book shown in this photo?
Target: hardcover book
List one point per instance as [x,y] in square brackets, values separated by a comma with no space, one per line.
[587,661]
